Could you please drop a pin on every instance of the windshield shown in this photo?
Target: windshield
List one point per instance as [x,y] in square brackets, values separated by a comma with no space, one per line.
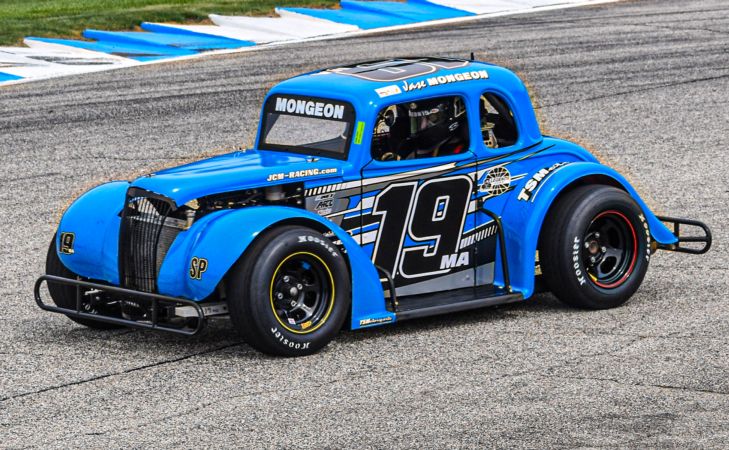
[308,125]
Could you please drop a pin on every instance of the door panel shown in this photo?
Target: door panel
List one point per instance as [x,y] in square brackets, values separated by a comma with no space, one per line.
[414,219]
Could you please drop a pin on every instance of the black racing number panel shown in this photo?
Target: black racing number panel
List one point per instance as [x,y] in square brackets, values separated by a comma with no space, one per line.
[433,214]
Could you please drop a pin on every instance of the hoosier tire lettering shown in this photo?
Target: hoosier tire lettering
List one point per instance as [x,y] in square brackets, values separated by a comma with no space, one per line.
[291,344]
[576,248]
[293,301]
[591,247]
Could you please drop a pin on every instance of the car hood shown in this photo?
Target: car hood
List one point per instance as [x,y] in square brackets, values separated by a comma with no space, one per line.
[236,171]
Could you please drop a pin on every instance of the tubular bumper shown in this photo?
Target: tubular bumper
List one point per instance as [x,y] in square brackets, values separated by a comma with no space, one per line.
[152,323]
[676,247]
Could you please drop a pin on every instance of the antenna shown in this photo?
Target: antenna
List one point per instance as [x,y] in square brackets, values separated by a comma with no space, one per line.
[472,58]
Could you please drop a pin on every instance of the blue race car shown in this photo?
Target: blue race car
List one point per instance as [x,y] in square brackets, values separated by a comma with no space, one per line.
[376,192]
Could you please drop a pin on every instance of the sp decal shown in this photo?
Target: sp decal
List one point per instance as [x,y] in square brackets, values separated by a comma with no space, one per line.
[67,240]
[198,266]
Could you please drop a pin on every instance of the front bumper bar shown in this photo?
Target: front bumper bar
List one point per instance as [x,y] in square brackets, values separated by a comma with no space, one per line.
[152,323]
[677,247]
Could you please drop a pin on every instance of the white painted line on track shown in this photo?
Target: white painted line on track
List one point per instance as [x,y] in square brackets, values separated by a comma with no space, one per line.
[414,26]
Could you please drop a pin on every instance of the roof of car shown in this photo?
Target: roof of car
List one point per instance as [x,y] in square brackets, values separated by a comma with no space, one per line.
[374,80]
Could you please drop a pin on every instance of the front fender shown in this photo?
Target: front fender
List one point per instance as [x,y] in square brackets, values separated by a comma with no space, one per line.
[222,237]
[94,220]
[523,217]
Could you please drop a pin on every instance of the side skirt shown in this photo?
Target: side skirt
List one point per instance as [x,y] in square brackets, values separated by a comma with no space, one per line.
[447,302]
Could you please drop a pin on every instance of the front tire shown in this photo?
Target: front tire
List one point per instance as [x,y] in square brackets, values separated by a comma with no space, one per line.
[290,293]
[595,247]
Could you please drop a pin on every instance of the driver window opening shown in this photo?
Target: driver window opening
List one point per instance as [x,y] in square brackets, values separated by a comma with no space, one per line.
[422,129]
[498,127]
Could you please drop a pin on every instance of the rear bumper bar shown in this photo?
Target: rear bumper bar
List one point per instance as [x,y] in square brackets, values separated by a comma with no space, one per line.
[677,247]
[153,323]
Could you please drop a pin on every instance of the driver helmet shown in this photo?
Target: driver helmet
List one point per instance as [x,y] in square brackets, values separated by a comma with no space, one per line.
[432,122]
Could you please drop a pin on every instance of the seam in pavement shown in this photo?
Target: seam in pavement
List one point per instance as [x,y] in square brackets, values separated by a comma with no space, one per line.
[358,375]
[123,372]
[679,28]
[30,177]
[616,381]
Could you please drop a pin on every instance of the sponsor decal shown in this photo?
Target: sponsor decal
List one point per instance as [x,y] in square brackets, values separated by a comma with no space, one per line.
[67,240]
[323,197]
[198,266]
[324,207]
[359,132]
[445,79]
[309,108]
[300,174]
[387,91]
[496,181]
[528,191]
[375,321]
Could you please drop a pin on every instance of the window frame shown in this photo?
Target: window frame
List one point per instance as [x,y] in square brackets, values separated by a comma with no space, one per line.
[465,97]
[506,100]
[268,108]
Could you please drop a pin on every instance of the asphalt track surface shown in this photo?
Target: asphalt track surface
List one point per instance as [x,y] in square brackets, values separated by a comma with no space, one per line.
[644,84]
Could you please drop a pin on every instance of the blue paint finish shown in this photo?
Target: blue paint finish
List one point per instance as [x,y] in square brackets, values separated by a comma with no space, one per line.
[367,103]
[167,29]
[94,220]
[186,41]
[233,171]
[9,77]
[523,220]
[138,52]
[203,241]
[223,236]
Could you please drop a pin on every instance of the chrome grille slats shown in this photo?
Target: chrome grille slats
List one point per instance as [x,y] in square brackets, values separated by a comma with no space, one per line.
[145,237]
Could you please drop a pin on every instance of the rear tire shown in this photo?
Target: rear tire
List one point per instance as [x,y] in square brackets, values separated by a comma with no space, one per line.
[595,247]
[64,296]
[290,293]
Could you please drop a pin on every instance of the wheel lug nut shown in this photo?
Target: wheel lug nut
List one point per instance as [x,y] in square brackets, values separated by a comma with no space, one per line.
[279,295]
[587,244]
[604,249]
[597,235]
[299,286]
[286,279]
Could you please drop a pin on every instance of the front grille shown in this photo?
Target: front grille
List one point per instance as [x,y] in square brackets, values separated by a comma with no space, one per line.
[147,232]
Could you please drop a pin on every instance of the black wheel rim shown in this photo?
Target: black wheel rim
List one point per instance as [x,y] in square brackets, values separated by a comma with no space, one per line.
[302,292]
[610,249]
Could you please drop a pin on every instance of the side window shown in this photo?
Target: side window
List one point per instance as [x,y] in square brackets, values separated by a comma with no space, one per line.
[498,127]
[422,129]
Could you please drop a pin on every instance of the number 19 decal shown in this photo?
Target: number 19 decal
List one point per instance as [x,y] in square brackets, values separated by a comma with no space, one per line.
[432,214]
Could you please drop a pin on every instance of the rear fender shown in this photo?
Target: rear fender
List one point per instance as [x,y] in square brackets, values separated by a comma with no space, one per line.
[222,237]
[523,217]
